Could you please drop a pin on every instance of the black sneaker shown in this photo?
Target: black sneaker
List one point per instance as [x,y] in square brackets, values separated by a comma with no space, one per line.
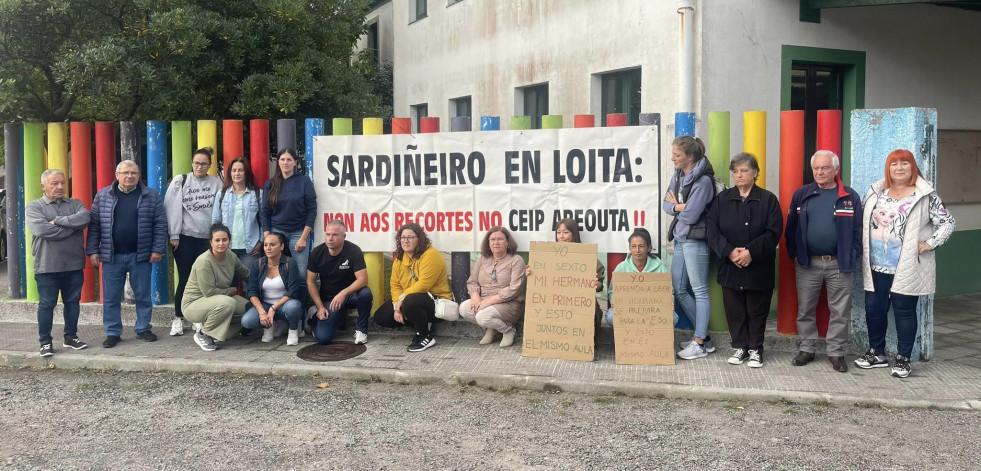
[147,336]
[74,343]
[110,341]
[47,349]
[422,343]
[901,368]
[871,360]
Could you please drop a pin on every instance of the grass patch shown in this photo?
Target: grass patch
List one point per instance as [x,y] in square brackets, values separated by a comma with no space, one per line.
[534,400]
[605,400]
[568,403]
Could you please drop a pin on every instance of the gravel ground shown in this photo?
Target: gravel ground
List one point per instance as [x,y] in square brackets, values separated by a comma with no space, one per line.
[103,419]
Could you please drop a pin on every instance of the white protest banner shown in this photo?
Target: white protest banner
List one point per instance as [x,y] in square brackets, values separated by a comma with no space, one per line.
[458,185]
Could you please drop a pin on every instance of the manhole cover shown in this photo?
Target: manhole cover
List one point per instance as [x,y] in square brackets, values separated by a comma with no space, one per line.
[336,351]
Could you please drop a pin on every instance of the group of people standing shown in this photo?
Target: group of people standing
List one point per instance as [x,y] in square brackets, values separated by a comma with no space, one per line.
[242,257]
[831,232]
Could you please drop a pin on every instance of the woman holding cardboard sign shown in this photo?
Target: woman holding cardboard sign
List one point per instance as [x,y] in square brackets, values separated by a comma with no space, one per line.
[418,277]
[641,260]
[744,226]
[495,285]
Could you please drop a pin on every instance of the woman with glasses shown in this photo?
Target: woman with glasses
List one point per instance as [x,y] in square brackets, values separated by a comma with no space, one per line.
[418,278]
[497,297]
[188,203]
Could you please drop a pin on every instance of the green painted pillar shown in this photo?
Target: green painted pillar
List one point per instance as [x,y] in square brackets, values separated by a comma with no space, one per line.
[520,122]
[552,121]
[180,158]
[718,155]
[33,167]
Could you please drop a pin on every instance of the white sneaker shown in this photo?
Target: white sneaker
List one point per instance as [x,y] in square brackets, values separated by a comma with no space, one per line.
[301,332]
[176,327]
[279,328]
[293,338]
[267,335]
[692,351]
[197,326]
[360,338]
[709,345]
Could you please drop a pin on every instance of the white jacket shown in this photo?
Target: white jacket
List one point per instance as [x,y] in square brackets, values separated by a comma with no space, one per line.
[916,273]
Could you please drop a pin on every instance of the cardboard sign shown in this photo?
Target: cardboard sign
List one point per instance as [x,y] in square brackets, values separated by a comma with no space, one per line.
[560,301]
[643,324]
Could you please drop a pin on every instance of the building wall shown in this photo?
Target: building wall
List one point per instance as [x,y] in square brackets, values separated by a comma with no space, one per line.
[386,31]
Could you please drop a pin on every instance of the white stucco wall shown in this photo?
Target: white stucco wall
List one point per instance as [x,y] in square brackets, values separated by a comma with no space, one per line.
[916,55]
[386,31]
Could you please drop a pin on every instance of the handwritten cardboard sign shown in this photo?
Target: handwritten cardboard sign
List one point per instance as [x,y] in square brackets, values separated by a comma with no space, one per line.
[643,324]
[560,301]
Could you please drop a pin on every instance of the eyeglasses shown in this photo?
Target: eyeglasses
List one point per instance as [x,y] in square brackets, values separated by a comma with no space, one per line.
[201,164]
[129,174]
[408,238]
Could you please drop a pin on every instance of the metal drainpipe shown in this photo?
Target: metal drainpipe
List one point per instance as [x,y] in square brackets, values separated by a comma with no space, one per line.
[686,69]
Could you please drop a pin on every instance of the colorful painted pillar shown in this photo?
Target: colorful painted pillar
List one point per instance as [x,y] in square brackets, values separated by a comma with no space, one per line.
[33,166]
[58,147]
[81,189]
[684,125]
[259,150]
[12,134]
[129,145]
[375,261]
[718,155]
[876,133]
[614,258]
[401,125]
[285,134]
[180,157]
[754,140]
[460,261]
[208,137]
[584,121]
[520,123]
[105,160]
[552,121]
[232,141]
[315,127]
[828,138]
[490,123]
[791,178]
[156,178]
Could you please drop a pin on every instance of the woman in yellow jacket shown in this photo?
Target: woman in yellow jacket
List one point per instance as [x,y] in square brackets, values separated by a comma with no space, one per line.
[418,278]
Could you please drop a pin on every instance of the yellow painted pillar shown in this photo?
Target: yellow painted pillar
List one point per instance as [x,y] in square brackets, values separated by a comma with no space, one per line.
[375,261]
[754,140]
[208,137]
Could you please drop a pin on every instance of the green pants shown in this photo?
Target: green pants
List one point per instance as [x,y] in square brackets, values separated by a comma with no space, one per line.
[221,315]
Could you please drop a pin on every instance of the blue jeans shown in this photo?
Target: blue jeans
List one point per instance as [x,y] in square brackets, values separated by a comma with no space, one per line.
[113,284]
[877,319]
[69,283]
[301,258]
[689,278]
[324,330]
[291,311]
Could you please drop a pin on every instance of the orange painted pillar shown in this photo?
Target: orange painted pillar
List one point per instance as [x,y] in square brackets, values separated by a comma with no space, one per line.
[105,159]
[232,141]
[259,150]
[401,125]
[791,178]
[613,258]
[828,138]
[584,121]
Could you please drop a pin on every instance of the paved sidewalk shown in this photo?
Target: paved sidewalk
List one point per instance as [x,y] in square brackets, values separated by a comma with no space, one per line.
[938,383]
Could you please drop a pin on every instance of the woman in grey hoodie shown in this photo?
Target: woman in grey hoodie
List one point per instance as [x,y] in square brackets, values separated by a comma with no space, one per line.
[189,202]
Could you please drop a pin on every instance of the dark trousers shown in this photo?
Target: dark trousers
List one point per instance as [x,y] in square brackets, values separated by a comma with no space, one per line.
[418,309]
[188,250]
[323,330]
[69,284]
[877,315]
[746,313]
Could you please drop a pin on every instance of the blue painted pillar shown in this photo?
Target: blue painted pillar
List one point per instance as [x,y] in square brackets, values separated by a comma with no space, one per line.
[156,178]
[874,134]
[684,124]
[490,123]
[311,127]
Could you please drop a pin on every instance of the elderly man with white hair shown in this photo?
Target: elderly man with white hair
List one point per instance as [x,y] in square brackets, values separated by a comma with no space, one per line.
[825,238]
[128,232]
[57,226]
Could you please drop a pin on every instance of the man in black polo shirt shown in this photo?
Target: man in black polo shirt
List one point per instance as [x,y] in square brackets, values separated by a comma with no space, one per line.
[343,285]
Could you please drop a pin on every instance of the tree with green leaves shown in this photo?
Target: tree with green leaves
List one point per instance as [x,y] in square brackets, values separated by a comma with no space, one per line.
[186,59]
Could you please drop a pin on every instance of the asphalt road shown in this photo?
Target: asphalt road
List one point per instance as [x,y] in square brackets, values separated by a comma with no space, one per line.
[55,419]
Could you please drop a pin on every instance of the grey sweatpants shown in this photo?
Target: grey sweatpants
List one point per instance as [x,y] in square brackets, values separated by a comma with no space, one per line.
[839,285]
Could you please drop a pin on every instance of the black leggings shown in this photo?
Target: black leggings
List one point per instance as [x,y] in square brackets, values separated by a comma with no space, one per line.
[187,252]
[418,310]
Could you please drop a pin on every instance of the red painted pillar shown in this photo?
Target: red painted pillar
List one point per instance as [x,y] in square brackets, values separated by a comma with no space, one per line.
[791,178]
[828,138]
[584,121]
[428,124]
[259,150]
[105,159]
[81,165]
[232,141]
